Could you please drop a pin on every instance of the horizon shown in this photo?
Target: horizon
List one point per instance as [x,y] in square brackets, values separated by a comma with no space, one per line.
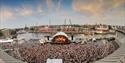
[18,13]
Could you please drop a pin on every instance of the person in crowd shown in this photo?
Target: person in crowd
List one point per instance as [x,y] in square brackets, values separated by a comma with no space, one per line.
[69,53]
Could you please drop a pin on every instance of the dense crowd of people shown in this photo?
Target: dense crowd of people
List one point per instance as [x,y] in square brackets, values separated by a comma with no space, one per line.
[69,53]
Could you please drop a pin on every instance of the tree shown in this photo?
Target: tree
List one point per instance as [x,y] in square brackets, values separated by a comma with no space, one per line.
[32,28]
[1,33]
[13,32]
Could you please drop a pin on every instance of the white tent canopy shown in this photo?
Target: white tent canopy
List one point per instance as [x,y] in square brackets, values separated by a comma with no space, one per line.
[61,33]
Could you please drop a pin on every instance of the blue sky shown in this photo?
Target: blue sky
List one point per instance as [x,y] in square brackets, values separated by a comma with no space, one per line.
[18,13]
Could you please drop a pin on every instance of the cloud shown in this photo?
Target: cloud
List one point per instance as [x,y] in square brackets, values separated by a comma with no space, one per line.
[117,3]
[59,6]
[95,7]
[6,14]
[54,6]
[25,11]
[49,4]
[39,9]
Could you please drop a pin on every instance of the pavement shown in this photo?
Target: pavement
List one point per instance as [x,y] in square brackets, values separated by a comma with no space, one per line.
[1,61]
[119,55]
[5,58]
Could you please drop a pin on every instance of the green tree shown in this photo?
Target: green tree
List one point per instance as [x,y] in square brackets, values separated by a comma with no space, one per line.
[13,32]
[1,33]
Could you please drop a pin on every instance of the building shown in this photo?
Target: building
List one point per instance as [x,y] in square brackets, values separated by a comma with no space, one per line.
[101,29]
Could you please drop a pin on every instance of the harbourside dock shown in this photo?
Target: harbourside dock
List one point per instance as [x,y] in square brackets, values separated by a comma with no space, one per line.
[119,55]
[5,58]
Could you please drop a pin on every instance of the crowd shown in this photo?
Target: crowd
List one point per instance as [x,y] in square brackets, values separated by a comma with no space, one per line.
[69,53]
[6,45]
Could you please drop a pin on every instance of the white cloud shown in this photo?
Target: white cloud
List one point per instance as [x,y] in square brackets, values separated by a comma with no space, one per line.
[95,7]
[6,14]
[49,4]
[24,10]
[39,8]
